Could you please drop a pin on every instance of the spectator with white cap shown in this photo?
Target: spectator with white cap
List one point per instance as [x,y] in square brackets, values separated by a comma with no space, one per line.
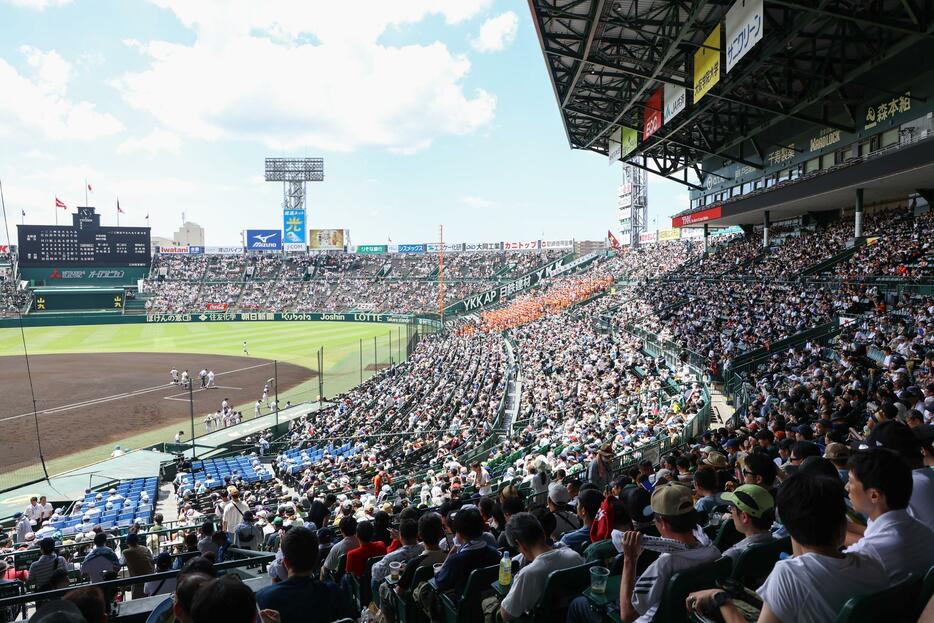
[565,518]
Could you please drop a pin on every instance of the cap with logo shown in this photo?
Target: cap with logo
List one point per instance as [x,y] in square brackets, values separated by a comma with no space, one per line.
[751,499]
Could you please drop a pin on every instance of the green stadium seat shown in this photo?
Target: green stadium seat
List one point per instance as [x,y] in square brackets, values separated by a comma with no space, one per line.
[406,609]
[727,536]
[469,609]
[927,591]
[896,603]
[757,561]
[671,609]
[560,590]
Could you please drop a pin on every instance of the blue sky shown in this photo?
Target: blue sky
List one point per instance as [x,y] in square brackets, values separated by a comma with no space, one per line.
[427,112]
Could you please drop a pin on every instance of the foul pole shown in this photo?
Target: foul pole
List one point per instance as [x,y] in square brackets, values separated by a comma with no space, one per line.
[441,273]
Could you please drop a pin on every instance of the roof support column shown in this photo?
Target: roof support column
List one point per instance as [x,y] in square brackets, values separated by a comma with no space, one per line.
[765,230]
[858,217]
[706,238]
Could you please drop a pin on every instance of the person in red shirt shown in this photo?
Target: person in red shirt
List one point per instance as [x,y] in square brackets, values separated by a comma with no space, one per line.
[356,558]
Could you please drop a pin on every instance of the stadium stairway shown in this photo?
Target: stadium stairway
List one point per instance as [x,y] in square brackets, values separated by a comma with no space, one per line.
[167,503]
[827,265]
[721,410]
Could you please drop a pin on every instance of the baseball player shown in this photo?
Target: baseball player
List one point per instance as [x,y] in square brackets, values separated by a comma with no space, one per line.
[208,420]
[174,374]
[224,405]
[257,408]
[210,378]
[266,397]
[203,375]
[245,349]
[185,379]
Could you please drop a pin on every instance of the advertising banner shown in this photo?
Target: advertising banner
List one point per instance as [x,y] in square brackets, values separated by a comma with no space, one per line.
[890,109]
[529,245]
[669,234]
[707,65]
[449,247]
[625,238]
[223,250]
[294,247]
[263,240]
[4,248]
[293,227]
[675,101]
[615,145]
[194,250]
[371,248]
[630,141]
[217,306]
[530,280]
[692,232]
[743,30]
[652,116]
[697,217]
[648,237]
[625,201]
[625,214]
[411,248]
[557,244]
[174,250]
[326,239]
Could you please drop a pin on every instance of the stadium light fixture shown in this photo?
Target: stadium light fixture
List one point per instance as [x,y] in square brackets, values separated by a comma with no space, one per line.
[294,173]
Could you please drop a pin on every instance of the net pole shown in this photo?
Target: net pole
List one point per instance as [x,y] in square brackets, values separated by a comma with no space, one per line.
[191,412]
[375,360]
[275,369]
[361,360]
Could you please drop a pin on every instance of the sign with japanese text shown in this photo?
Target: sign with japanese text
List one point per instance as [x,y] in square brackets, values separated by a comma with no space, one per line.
[697,217]
[707,64]
[630,141]
[743,30]
[652,116]
[615,145]
[887,110]
[675,101]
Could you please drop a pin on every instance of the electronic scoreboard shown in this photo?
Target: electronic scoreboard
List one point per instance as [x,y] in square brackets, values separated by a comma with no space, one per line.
[84,243]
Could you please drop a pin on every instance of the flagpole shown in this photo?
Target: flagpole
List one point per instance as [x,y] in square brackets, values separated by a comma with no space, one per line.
[85,191]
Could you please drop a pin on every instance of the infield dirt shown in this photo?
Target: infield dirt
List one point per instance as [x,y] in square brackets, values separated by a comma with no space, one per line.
[85,400]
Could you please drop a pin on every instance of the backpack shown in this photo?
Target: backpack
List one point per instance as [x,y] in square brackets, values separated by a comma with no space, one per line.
[245,534]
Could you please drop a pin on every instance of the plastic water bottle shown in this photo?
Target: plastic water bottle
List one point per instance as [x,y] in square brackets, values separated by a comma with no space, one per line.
[505,570]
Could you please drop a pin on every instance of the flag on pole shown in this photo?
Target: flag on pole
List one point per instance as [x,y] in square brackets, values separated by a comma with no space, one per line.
[90,189]
[60,204]
[119,211]
[614,243]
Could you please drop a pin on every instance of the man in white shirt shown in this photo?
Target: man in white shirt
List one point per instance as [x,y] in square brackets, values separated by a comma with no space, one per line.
[46,508]
[528,587]
[898,437]
[813,585]
[34,513]
[880,487]
[233,512]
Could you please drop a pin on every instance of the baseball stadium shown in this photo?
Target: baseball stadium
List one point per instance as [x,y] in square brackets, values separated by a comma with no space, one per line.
[540,406]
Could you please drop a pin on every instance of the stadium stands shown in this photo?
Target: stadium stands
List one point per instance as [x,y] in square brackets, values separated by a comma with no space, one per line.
[596,389]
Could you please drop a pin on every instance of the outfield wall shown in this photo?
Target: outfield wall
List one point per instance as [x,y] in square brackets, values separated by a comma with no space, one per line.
[56,320]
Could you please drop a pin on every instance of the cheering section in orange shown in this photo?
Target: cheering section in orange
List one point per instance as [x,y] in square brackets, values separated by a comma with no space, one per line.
[533,306]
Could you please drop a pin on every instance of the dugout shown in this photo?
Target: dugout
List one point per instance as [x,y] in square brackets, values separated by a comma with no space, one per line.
[59,299]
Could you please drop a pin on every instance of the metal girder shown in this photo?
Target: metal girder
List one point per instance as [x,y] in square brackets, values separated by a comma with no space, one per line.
[802,74]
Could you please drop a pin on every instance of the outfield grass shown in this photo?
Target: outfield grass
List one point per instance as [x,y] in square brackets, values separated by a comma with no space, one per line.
[292,342]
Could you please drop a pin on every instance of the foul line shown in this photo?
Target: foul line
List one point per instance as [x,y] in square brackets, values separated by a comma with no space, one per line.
[200,389]
[97,401]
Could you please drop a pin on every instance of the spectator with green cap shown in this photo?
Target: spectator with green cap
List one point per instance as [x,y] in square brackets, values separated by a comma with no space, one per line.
[752,509]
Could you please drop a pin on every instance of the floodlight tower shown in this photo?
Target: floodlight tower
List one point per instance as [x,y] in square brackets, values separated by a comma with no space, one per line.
[294,173]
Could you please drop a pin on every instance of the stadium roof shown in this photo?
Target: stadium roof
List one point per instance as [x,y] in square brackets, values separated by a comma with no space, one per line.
[605,58]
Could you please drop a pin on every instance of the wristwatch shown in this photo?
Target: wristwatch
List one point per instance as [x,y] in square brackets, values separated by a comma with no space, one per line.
[721,598]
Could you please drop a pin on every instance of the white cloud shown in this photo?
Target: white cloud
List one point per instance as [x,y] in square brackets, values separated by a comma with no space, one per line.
[38,154]
[157,141]
[497,33]
[40,105]
[38,5]
[478,203]
[251,74]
